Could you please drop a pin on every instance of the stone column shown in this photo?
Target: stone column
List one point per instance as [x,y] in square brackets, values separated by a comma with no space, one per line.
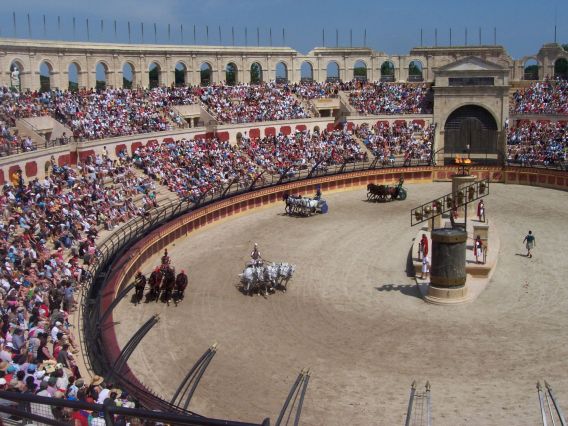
[458,183]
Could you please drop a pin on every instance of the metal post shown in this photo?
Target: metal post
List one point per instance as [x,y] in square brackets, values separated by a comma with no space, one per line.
[365,38]
[29,26]
[88,35]
[115,32]
[44,27]
[206,34]
[59,25]
[336,37]
[480,36]
[556,405]
[220,37]
[129,37]
[194,34]
[450,37]
[169,34]
[257,36]
[323,37]
[233,35]
[270,35]
[283,37]
[436,37]
[410,403]
[74,26]
[466,36]
[350,37]
[421,38]
[541,402]
[246,36]
[142,30]
[102,28]
[155,34]
[14,24]
[181,32]
[495,36]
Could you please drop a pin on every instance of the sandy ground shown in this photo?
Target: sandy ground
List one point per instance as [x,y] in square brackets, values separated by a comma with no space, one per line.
[354,317]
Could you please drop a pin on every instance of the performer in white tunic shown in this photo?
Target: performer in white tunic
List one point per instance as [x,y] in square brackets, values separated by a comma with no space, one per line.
[255,256]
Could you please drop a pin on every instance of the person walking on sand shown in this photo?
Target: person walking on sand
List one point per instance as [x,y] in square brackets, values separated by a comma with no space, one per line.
[531,243]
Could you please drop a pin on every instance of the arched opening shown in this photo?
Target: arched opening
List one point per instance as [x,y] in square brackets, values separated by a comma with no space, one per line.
[306,72]
[332,71]
[45,76]
[531,70]
[205,72]
[101,72]
[256,73]
[561,68]
[127,76]
[360,71]
[16,70]
[281,73]
[154,75]
[471,131]
[73,76]
[415,71]
[231,74]
[180,73]
[387,71]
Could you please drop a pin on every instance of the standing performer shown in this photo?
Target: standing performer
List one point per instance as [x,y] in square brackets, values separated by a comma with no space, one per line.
[481,211]
[478,249]
[425,268]
[165,258]
[181,284]
[423,247]
[531,243]
[255,256]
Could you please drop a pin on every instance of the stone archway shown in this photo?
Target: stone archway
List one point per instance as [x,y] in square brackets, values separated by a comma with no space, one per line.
[471,130]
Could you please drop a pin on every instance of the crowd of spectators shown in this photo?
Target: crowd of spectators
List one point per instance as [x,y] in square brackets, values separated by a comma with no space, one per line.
[11,143]
[392,98]
[48,235]
[194,167]
[316,90]
[251,103]
[538,143]
[543,97]
[402,140]
[289,154]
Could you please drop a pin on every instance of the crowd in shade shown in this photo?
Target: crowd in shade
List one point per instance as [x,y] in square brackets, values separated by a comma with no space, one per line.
[289,154]
[538,143]
[392,98]
[543,97]
[194,167]
[252,103]
[401,141]
[316,90]
[48,235]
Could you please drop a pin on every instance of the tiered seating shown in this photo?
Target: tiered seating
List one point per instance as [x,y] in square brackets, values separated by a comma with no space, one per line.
[392,98]
[538,143]
[543,97]
[303,150]
[402,140]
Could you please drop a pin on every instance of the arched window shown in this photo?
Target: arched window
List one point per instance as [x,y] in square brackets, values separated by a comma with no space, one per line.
[415,71]
[360,70]
[306,72]
[281,73]
[231,74]
[387,71]
[332,71]
[531,70]
[205,71]
[45,76]
[73,76]
[101,72]
[154,75]
[256,73]
[127,76]
[180,73]
[16,70]
[561,68]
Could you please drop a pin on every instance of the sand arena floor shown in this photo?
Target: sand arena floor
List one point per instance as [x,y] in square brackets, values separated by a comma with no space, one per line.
[354,317]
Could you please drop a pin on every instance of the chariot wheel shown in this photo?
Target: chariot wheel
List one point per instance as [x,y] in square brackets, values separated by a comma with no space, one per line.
[369,196]
[402,194]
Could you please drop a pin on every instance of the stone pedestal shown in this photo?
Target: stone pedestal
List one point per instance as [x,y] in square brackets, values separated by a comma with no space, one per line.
[458,183]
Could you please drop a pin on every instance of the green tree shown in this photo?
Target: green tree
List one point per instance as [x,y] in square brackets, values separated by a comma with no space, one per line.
[255,74]
[126,83]
[153,74]
[180,77]
[565,47]
[206,76]
[360,72]
[44,83]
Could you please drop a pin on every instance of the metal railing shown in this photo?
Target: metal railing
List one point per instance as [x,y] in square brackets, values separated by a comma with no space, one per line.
[120,241]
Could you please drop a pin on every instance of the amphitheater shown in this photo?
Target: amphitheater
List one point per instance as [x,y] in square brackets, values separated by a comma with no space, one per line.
[353,314]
